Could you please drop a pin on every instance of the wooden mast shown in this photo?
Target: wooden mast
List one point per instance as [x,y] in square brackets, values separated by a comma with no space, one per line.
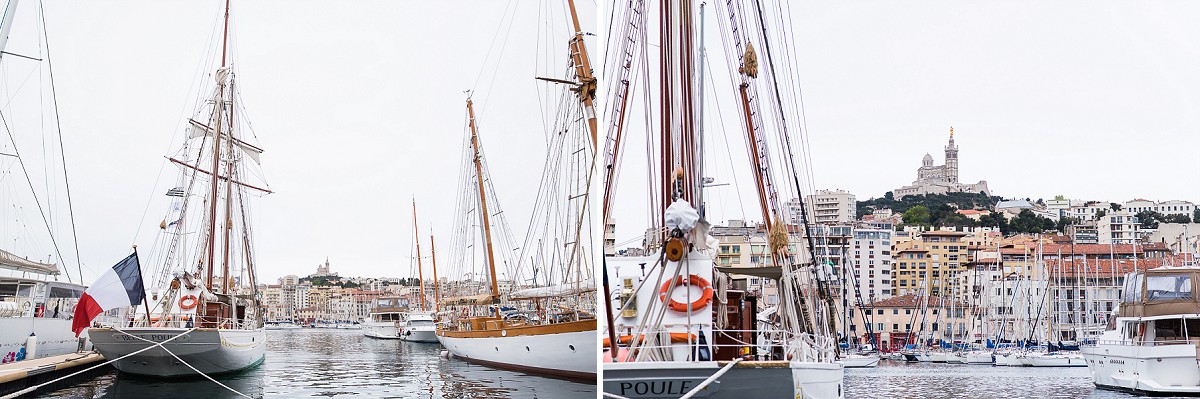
[216,181]
[437,289]
[487,226]
[420,271]
[583,72]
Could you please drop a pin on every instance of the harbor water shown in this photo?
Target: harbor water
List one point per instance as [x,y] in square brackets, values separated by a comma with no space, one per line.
[333,363]
[893,379]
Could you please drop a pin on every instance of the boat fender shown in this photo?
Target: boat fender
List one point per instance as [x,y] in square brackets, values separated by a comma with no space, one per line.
[694,280]
[187,302]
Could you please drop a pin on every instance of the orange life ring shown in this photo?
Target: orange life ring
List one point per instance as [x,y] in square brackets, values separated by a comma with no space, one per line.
[705,298]
[187,302]
[676,338]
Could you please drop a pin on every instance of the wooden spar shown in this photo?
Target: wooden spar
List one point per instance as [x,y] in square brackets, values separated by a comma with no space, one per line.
[583,72]
[487,226]
[216,164]
[754,158]
[420,271]
[437,289]
[221,177]
[227,223]
[611,167]
[667,163]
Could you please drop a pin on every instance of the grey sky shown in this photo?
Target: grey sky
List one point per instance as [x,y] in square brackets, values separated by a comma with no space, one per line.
[1091,100]
[359,105]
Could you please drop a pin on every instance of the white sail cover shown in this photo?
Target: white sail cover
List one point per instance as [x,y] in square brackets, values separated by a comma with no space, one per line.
[553,291]
[13,262]
[199,129]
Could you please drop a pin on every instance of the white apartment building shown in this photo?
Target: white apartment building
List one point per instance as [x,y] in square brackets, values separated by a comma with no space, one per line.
[1172,207]
[1119,227]
[871,255]
[826,207]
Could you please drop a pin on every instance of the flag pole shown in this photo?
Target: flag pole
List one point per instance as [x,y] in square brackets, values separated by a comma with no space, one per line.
[145,301]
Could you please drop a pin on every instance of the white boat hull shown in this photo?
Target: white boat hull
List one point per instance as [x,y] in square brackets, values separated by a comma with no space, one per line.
[978,358]
[673,379]
[420,334]
[54,337]
[858,361]
[1058,360]
[383,330]
[569,354]
[1162,369]
[210,351]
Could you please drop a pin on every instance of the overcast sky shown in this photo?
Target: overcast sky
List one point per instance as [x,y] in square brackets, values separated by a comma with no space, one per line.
[360,108]
[359,105]
[1091,100]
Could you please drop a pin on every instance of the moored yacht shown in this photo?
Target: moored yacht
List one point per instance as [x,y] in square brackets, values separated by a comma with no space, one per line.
[1151,345]
[385,319]
[418,327]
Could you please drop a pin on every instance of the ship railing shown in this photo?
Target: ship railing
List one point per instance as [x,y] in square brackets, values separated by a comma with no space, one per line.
[747,344]
[1159,341]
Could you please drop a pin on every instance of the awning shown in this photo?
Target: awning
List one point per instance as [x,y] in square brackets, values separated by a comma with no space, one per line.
[483,299]
[553,291]
[771,272]
[14,262]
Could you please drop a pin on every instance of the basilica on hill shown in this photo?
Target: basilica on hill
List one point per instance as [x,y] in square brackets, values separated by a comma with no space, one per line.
[940,179]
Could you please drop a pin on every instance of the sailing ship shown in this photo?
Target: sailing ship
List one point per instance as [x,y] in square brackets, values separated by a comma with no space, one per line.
[674,325]
[547,326]
[418,326]
[35,304]
[205,311]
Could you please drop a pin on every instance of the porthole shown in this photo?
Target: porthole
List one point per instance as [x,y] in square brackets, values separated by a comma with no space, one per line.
[527,349]
[572,347]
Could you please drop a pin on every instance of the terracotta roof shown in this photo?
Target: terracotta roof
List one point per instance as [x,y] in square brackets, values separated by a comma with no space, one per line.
[1106,267]
[971,212]
[913,301]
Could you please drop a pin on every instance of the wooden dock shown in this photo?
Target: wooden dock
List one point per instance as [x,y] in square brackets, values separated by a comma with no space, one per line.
[16,376]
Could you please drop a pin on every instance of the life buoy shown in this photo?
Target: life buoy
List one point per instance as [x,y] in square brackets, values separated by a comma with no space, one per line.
[694,280]
[187,302]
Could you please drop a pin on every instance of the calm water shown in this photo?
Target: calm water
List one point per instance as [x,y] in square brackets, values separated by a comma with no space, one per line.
[933,380]
[342,364]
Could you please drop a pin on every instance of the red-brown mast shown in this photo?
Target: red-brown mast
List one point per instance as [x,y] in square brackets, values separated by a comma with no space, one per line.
[487,225]
[219,112]
[437,289]
[583,72]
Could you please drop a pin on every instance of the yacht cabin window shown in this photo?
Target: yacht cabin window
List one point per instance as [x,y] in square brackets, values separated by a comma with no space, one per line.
[1168,287]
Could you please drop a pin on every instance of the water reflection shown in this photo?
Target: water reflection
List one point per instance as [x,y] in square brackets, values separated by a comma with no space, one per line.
[934,380]
[342,363]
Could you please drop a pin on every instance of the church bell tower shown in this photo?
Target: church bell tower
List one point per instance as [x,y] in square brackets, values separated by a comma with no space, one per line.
[951,159]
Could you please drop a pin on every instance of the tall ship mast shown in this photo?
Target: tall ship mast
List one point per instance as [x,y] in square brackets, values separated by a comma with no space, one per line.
[530,306]
[201,278]
[674,321]
[418,326]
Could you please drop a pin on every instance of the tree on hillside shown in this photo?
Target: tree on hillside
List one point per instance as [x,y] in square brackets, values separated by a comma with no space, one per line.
[917,216]
[994,219]
[1029,222]
[889,196]
[1115,206]
[1175,218]
[1066,221]
[1149,219]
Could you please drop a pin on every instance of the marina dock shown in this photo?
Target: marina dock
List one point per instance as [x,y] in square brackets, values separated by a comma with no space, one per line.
[16,376]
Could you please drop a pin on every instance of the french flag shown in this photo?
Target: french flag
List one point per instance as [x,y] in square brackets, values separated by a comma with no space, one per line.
[118,287]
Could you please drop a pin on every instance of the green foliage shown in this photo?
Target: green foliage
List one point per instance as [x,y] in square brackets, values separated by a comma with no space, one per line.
[1196,216]
[1115,206]
[1100,213]
[1028,222]
[931,201]
[1151,219]
[1066,221]
[917,215]
[994,219]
